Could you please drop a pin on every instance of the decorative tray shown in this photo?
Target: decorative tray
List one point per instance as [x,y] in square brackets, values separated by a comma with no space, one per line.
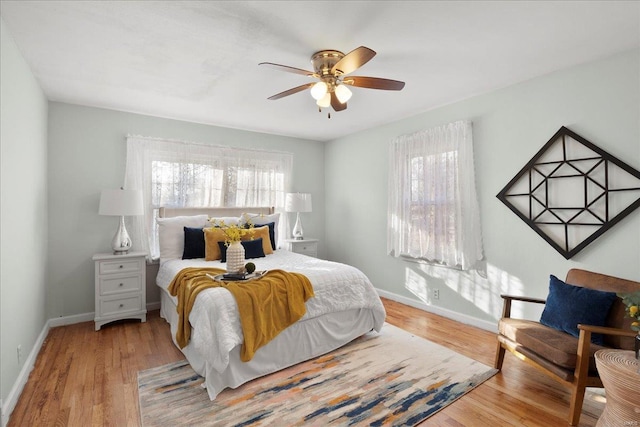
[231,277]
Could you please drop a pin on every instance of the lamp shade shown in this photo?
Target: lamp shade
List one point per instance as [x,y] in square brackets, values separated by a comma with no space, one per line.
[319,90]
[297,202]
[343,93]
[325,101]
[121,202]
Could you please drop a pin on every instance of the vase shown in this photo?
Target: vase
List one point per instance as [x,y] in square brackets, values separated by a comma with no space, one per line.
[235,258]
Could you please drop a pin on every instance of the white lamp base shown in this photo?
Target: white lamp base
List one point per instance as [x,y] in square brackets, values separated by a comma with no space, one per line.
[298,232]
[121,242]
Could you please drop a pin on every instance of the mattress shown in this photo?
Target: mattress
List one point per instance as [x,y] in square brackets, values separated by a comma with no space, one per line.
[345,306]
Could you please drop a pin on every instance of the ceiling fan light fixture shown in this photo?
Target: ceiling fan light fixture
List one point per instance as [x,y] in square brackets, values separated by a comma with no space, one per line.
[343,93]
[331,68]
[319,90]
[325,101]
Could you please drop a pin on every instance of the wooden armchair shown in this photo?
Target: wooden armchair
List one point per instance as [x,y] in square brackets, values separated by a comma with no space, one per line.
[560,355]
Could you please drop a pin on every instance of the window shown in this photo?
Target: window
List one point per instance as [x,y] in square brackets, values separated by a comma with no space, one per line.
[433,211]
[182,174]
[185,184]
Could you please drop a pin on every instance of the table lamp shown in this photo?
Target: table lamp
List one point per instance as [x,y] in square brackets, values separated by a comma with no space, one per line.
[298,202]
[121,203]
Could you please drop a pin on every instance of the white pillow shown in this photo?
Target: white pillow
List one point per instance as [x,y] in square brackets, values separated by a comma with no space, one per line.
[171,234]
[261,219]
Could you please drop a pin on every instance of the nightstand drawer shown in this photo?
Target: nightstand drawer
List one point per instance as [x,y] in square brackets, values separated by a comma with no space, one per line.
[310,249]
[307,247]
[115,285]
[119,266]
[120,306]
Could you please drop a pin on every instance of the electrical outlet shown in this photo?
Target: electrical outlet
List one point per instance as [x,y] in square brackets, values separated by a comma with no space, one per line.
[436,294]
[19,354]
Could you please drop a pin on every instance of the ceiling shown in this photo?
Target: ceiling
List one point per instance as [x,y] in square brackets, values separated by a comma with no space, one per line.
[198,61]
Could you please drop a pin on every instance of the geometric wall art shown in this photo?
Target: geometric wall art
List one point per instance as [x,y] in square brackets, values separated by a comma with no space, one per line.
[571,192]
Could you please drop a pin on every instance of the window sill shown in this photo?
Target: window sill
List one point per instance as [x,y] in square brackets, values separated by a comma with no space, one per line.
[425,261]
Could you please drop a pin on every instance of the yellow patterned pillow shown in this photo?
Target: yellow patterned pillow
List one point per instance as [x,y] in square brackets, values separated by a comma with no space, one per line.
[261,232]
[212,236]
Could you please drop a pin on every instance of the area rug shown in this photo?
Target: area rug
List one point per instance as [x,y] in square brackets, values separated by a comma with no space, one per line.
[389,378]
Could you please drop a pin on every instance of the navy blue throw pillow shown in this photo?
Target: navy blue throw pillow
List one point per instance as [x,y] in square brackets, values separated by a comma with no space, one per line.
[569,305]
[252,249]
[272,235]
[193,243]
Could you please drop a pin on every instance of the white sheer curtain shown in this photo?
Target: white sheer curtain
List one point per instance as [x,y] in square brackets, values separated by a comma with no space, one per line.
[185,174]
[433,211]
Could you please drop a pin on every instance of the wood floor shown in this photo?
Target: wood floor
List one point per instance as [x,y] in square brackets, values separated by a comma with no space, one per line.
[83,377]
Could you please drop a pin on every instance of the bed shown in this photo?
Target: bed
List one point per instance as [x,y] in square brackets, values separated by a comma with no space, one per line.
[345,305]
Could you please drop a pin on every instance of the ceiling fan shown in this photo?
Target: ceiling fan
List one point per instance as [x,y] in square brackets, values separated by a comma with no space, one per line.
[331,68]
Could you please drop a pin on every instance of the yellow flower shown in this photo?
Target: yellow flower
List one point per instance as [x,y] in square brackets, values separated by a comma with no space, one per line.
[233,232]
[632,302]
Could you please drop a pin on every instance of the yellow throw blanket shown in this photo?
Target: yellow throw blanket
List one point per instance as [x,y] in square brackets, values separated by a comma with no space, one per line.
[267,305]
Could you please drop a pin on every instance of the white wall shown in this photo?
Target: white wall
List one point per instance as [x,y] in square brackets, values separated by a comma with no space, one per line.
[23,210]
[599,101]
[87,151]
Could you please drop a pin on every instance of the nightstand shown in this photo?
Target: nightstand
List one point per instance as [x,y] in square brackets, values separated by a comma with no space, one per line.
[304,247]
[120,287]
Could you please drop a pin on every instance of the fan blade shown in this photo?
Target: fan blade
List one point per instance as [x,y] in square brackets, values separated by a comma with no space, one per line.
[289,69]
[291,91]
[373,83]
[353,60]
[336,104]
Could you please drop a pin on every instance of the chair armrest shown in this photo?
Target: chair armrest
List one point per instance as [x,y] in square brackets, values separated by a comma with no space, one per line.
[525,299]
[506,309]
[584,343]
[606,330]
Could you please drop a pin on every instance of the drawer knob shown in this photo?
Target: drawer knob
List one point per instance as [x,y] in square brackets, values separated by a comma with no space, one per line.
[122,266]
[121,305]
[121,284]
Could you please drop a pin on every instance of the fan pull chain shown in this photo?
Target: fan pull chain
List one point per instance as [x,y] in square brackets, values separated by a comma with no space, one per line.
[328,114]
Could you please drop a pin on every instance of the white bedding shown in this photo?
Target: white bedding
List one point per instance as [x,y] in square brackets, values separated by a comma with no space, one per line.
[341,292]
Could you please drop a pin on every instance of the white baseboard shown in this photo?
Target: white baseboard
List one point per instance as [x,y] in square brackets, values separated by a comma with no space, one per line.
[7,406]
[449,314]
[70,320]
[153,306]
[14,394]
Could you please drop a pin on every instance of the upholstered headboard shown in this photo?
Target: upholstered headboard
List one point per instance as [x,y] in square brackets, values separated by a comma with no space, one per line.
[166,212]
